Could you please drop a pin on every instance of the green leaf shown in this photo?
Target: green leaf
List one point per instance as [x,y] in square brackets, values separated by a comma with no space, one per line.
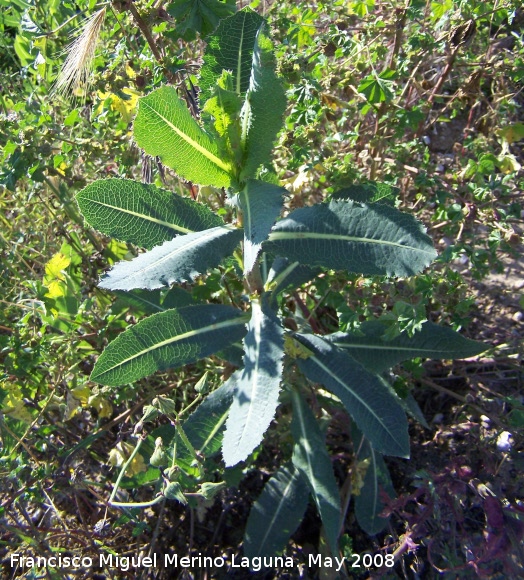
[368,502]
[200,16]
[263,110]
[153,301]
[22,46]
[487,164]
[141,214]
[440,8]
[311,458]
[361,7]
[376,88]
[233,354]
[230,48]
[205,426]
[224,108]
[276,514]
[225,105]
[369,193]
[377,354]
[367,239]
[258,387]
[405,399]
[167,340]
[261,204]
[375,410]
[511,133]
[165,128]
[178,260]
[285,273]
[413,409]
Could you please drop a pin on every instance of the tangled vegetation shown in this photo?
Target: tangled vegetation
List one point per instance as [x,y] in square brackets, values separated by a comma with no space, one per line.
[257,376]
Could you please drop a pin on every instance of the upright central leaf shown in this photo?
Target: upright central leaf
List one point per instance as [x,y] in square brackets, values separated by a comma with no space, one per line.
[192,16]
[256,397]
[165,128]
[224,108]
[230,48]
[263,108]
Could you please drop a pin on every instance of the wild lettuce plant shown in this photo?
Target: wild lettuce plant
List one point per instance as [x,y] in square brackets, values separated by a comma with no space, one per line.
[357,230]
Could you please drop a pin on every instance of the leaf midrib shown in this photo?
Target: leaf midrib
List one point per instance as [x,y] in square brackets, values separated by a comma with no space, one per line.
[277,280]
[349,346]
[248,227]
[216,429]
[375,480]
[226,167]
[305,441]
[143,216]
[275,236]
[255,371]
[239,58]
[184,248]
[282,502]
[173,339]
[346,388]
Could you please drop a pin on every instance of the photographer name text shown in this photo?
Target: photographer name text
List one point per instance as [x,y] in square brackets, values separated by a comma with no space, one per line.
[257,563]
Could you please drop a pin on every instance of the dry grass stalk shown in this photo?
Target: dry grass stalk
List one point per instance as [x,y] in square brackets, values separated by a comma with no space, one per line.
[80,55]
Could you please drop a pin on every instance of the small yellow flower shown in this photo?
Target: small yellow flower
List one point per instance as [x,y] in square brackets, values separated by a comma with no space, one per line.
[120,454]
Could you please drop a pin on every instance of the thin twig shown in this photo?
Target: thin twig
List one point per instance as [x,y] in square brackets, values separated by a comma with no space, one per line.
[20,441]
[147,34]
[307,314]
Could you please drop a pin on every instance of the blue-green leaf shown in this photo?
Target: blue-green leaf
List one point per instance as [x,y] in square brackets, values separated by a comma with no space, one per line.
[141,214]
[285,273]
[261,204]
[377,354]
[368,501]
[153,301]
[311,458]
[256,396]
[167,340]
[276,514]
[369,193]
[376,411]
[205,426]
[178,260]
[367,239]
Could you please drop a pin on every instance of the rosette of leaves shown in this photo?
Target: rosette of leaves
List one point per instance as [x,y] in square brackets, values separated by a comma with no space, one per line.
[358,230]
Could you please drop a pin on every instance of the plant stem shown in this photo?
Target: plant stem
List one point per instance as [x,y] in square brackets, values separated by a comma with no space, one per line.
[307,314]
[146,32]
[122,472]
[144,504]
[379,126]
[21,442]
